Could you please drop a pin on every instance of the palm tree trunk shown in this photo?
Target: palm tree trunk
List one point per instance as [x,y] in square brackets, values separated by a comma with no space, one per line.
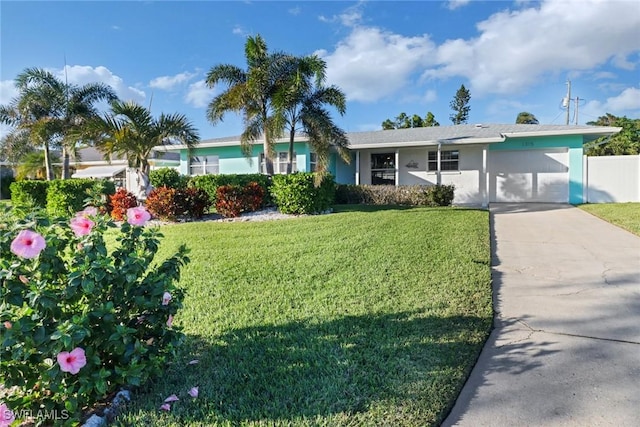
[292,136]
[268,160]
[47,162]
[65,163]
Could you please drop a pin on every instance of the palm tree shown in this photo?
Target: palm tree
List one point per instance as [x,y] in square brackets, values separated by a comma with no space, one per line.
[251,93]
[526,118]
[49,112]
[33,165]
[301,107]
[130,131]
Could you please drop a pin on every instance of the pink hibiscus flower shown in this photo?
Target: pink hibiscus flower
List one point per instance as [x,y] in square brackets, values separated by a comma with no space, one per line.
[7,417]
[166,297]
[28,244]
[72,362]
[88,211]
[165,407]
[81,225]
[138,216]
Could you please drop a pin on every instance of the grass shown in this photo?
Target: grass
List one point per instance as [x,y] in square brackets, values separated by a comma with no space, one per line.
[625,215]
[368,316]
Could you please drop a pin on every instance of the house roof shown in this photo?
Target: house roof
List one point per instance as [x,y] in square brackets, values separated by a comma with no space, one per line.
[92,156]
[456,134]
[99,171]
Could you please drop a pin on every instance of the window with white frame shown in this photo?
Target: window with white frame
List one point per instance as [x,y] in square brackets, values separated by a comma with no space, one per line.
[383,168]
[313,162]
[449,161]
[279,163]
[204,165]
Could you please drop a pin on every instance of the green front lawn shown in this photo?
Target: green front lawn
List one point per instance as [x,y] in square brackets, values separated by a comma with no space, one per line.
[625,215]
[368,316]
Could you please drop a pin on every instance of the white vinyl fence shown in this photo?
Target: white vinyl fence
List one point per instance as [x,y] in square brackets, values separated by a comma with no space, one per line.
[610,179]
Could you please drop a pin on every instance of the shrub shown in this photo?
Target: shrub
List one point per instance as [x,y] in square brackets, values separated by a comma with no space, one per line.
[99,195]
[120,202]
[167,177]
[412,195]
[29,193]
[161,203]
[229,200]
[297,194]
[67,196]
[253,197]
[210,183]
[79,321]
[192,202]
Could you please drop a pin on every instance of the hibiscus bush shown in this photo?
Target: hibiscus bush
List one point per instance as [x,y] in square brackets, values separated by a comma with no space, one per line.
[80,318]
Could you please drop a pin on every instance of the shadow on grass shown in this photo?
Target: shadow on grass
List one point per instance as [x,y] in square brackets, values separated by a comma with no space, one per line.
[341,367]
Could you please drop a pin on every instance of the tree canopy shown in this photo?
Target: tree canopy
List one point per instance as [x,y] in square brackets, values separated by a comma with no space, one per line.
[460,106]
[626,142]
[403,121]
[526,118]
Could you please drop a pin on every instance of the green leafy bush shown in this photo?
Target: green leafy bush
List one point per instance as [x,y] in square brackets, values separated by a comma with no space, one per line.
[167,177]
[210,183]
[120,202]
[412,195]
[79,321]
[297,194]
[65,196]
[29,193]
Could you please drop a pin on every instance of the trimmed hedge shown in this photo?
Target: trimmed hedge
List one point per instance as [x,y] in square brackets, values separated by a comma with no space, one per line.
[210,183]
[29,193]
[411,195]
[66,196]
[167,177]
[297,194]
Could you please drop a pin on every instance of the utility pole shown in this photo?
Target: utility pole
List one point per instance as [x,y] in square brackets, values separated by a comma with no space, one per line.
[566,102]
[577,105]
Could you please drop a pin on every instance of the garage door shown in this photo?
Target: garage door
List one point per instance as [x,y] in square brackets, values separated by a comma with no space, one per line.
[529,176]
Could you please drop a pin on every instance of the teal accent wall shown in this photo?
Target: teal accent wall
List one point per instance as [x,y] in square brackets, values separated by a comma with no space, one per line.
[574,145]
[343,172]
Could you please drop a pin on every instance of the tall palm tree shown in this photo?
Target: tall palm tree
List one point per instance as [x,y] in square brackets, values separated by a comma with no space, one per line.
[130,131]
[50,112]
[301,107]
[251,93]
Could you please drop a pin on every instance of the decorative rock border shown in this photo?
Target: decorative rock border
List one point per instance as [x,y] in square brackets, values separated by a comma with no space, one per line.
[120,399]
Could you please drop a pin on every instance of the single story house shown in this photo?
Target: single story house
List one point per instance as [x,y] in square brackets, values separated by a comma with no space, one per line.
[91,163]
[486,162]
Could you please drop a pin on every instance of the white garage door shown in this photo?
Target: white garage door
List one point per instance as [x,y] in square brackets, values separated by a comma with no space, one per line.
[529,176]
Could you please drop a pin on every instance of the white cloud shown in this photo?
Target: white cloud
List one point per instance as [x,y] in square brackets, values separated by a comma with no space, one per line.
[371,64]
[199,94]
[238,30]
[169,82]
[626,103]
[295,10]
[454,4]
[83,74]
[7,91]
[515,48]
[351,17]
[116,28]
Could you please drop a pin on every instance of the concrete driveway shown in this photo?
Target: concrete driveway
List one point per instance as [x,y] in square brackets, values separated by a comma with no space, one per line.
[565,350]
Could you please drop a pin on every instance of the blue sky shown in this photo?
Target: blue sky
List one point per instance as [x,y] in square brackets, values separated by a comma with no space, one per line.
[388,57]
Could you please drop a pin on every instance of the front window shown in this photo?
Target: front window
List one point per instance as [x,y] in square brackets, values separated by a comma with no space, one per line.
[204,165]
[313,162]
[383,169]
[279,163]
[449,160]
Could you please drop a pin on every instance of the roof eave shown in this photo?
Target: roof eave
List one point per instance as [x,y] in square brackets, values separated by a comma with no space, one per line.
[431,143]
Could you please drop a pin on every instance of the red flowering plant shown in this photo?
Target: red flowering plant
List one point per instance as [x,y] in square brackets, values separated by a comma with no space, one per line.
[80,319]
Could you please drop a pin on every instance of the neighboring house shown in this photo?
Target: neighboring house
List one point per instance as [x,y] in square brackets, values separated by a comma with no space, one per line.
[91,163]
[486,163]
